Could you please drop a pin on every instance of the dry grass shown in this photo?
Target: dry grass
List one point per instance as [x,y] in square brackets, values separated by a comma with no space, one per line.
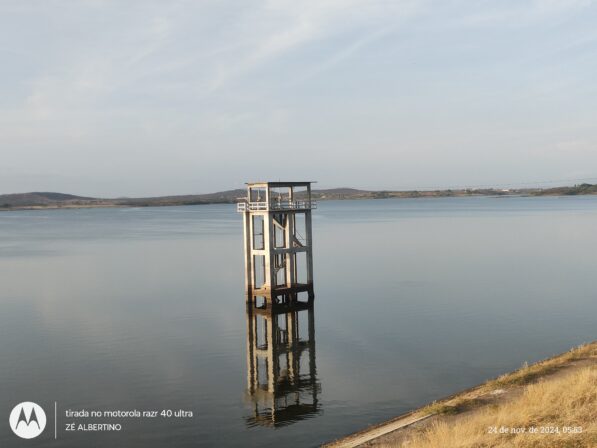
[528,373]
[525,375]
[557,392]
[563,401]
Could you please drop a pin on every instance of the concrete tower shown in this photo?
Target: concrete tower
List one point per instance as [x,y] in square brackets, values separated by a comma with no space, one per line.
[278,241]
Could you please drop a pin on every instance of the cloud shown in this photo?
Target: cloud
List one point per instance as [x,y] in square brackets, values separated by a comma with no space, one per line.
[345,53]
[290,25]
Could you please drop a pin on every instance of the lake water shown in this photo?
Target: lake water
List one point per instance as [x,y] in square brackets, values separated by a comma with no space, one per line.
[144,308]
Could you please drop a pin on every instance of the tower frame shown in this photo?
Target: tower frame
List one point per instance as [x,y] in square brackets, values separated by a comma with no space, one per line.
[275,215]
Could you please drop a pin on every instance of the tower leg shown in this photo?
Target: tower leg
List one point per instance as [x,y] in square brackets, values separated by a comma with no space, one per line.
[249,275]
[309,236]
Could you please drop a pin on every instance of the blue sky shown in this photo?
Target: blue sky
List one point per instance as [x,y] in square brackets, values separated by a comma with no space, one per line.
[143,97]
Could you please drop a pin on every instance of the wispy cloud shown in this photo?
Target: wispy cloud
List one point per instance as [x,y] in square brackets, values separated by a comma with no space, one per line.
[291,25]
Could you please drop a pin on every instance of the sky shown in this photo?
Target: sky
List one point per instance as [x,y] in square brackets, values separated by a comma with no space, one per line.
[151,97]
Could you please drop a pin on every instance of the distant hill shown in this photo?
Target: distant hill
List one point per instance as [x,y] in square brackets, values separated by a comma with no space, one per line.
[221,197]
[36,200]
[569,191]
[60,200]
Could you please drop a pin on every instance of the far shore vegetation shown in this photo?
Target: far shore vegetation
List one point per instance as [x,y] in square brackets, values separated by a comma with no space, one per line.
[48,200]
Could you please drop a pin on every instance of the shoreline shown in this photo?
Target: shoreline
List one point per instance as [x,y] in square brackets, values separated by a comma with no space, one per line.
[494,393]
[74,206]
[52,200]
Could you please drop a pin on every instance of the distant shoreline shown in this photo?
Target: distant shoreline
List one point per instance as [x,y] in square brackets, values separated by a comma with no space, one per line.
[58,201]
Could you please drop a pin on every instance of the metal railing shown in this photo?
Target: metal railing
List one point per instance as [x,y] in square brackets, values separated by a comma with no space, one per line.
[275,205]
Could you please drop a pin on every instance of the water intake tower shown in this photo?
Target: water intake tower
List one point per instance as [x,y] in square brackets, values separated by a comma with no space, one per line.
[278,241]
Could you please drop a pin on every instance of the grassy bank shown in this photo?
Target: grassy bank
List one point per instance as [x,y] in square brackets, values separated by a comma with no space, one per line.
[525,375]
[552,403]
[556,412]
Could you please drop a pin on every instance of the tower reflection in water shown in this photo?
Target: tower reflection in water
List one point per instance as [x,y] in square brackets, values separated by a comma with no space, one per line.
[281,370]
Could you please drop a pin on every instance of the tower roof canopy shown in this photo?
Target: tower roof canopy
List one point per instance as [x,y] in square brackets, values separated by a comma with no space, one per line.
[280,184]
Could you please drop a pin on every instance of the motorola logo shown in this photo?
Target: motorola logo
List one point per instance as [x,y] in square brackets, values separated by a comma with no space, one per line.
[27,420]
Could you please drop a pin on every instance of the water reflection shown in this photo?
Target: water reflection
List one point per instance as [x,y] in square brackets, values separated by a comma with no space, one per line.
[281,369]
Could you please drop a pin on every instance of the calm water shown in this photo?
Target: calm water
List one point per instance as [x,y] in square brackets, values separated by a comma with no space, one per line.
[415,299]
